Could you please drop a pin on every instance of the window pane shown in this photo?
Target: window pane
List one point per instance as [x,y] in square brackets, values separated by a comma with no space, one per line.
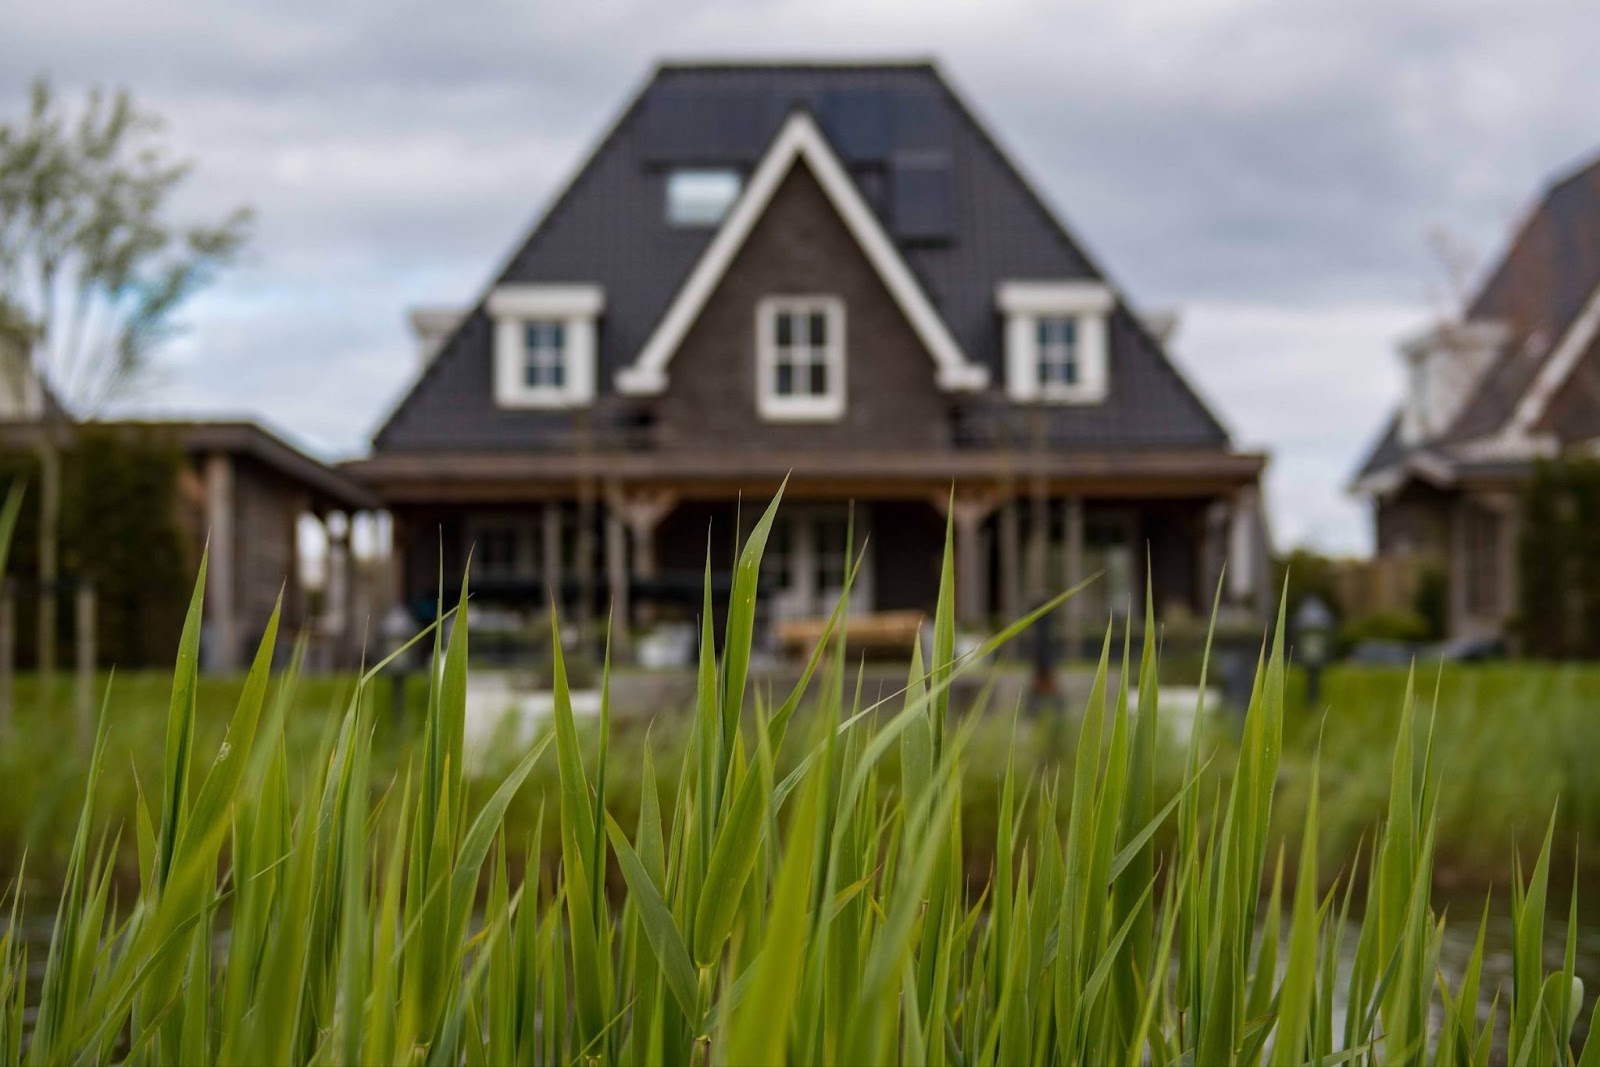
[819,379]
[785,329]
[557,374]
[700,197]
[785,382]
[819,329]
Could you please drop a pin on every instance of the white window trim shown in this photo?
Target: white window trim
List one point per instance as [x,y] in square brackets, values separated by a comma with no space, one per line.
[775,408]
[801,140]
[1024,303]
[577,308]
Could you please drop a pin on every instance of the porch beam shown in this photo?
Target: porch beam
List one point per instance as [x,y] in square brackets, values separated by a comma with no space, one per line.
[642,512]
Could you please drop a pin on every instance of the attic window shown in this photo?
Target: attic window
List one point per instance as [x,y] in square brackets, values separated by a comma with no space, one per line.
[700,197]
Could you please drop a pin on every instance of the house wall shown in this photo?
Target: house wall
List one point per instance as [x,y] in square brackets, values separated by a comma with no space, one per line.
[801,247]
[266,511]
[1414,521]
[1472,535]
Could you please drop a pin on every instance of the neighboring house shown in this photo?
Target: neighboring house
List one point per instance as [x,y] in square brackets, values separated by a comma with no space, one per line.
[243,491]
[1518,379]
[830,273]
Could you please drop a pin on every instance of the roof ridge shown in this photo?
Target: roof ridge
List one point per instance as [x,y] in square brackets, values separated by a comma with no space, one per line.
[798,63]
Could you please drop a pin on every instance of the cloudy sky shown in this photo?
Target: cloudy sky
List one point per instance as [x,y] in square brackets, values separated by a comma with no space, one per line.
[1281,172]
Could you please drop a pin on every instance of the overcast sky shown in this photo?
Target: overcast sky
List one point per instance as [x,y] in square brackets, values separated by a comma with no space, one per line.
[1276,171]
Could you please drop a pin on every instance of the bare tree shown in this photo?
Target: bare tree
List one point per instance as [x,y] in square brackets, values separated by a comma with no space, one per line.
[93,269]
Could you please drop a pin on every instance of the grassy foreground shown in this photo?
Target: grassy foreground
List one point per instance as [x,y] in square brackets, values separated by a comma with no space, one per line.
[801,897]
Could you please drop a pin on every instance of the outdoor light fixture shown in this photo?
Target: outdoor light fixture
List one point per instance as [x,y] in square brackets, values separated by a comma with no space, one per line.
[1313,631]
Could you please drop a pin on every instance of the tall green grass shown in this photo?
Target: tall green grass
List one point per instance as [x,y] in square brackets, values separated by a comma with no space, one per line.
[792,900]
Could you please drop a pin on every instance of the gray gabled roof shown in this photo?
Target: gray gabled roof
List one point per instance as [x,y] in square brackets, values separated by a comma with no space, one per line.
[966,219]
[1537,290]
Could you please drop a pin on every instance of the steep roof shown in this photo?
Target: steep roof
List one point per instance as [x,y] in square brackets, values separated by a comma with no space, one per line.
[1539,289]
[972,222]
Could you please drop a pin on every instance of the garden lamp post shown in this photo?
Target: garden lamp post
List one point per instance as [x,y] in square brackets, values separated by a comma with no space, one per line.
[1313,631]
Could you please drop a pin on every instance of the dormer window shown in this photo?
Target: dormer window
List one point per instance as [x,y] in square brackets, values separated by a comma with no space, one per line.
[700,197]
[800,358]
[1059,370]
[1056,341]
[545,355]
[545,344]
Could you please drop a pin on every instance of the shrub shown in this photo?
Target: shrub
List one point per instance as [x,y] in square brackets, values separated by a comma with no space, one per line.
[1405,626]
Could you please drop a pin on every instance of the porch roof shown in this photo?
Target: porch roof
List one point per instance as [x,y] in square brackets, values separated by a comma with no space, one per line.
[417,477]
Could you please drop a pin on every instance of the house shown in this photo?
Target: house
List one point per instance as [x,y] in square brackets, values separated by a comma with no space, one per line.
[242,493]
[1517,379]
[834,274]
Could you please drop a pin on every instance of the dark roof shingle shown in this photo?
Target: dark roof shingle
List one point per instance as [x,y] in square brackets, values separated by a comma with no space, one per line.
[608,227]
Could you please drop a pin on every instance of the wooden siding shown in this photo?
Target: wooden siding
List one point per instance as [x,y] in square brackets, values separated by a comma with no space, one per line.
[801,247]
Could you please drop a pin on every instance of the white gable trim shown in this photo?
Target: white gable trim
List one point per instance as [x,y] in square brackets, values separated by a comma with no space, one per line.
[800,139]
[1562,362]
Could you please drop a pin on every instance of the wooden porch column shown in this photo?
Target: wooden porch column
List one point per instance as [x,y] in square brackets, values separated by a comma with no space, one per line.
[338,592]
[294,598]
[643,512]
[970,509]
[617,578]
[1242,562]
[1010,561]
[1072,519]
[1038,546]
[220,585]
[551,542]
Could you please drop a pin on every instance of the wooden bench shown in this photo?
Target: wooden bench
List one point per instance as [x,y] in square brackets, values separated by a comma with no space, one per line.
[878,631]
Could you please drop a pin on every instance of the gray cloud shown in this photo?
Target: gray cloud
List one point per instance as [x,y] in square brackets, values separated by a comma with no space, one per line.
[1274,168]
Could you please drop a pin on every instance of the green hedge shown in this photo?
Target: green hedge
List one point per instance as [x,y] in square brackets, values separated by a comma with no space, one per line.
[1559,561]
[119,529]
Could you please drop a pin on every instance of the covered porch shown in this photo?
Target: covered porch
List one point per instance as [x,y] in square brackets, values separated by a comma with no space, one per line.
[631,534]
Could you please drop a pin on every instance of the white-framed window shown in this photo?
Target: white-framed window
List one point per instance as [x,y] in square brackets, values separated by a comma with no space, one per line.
[545,337]
[800,358]
[699,196]
[1056,341]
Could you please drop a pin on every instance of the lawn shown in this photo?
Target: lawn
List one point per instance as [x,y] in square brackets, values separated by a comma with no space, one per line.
[1511,740]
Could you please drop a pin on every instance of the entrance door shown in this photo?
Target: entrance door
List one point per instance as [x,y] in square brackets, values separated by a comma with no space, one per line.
[808,558]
